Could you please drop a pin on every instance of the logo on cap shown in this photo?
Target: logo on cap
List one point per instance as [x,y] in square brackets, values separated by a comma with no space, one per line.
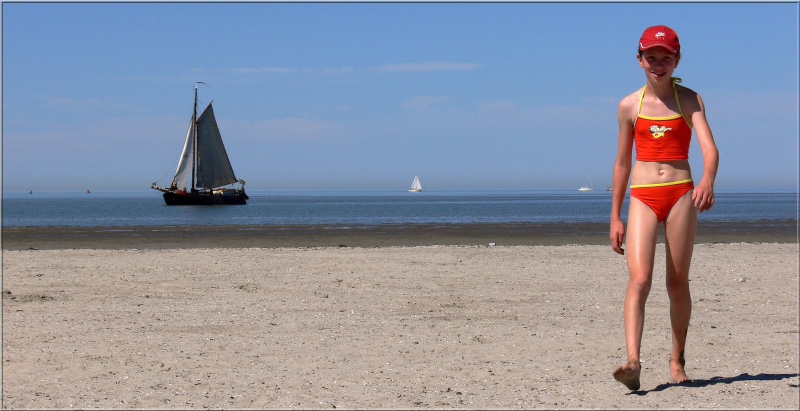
[661,34]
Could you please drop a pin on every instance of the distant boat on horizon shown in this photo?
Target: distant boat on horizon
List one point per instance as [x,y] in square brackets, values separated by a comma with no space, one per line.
[587,187]
[204,168]
[416,186]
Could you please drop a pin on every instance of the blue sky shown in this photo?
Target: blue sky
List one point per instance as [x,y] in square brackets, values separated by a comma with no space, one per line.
[366,95]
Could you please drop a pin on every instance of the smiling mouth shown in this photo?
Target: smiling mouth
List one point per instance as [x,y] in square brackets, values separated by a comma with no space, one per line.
[659,74]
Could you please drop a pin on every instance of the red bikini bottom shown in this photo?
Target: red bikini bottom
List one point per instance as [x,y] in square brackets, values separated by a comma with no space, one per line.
[661,198]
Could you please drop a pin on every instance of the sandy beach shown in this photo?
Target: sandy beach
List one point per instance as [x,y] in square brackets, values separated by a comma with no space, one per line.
[354,322]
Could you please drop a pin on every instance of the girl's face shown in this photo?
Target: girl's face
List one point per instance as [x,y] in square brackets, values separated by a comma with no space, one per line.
[658,63]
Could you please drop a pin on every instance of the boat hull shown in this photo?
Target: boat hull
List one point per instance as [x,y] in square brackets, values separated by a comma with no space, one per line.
[175,198]
[415,190]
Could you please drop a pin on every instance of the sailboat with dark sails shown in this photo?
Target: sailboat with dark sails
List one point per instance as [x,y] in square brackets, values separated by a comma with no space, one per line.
[204,172]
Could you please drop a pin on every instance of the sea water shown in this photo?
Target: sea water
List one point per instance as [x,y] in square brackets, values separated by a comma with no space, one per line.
[147,208]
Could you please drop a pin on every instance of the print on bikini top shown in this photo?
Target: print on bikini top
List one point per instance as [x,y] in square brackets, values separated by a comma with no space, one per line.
[658,131]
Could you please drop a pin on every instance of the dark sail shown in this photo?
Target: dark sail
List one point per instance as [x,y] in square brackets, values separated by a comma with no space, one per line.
[213,166]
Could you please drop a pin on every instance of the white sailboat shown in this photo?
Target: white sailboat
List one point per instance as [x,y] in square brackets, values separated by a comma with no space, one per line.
[416,187]
[588,187]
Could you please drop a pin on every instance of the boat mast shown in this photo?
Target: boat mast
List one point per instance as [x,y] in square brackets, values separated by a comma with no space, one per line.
[194,127]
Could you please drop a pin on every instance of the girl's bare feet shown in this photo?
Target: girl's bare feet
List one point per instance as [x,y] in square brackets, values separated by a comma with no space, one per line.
[677,374]
[628,374]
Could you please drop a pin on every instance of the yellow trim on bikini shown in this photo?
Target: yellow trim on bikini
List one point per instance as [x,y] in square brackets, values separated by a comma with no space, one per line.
[671,183]
[660,118]
[677,80]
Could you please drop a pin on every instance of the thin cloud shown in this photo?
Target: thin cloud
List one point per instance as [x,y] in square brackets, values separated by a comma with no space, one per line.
[285,129]
[429,66]
[423,102]
[259,70]
[499,106]
[87,104]
[67,103]
[338,70]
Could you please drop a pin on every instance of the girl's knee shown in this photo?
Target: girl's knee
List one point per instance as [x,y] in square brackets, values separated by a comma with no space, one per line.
[677,284]
[640,284]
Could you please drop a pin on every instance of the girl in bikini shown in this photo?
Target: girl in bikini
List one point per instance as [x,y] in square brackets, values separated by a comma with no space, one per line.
[658,120]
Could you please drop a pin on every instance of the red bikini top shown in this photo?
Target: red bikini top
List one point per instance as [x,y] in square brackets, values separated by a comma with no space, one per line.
[662,138]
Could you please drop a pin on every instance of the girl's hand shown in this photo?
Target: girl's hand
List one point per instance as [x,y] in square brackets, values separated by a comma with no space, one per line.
[617,236]
[703,196]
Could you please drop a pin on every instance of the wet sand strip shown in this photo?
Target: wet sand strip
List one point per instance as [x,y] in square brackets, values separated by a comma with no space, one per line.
[385,235]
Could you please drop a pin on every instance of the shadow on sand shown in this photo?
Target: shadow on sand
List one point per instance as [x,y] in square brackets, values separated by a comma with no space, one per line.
[719,380]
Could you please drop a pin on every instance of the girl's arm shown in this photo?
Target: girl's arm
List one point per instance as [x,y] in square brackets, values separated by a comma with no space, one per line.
[703,195]
[622,172]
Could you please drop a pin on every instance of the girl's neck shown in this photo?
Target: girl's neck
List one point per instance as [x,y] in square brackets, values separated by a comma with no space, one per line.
[662,89]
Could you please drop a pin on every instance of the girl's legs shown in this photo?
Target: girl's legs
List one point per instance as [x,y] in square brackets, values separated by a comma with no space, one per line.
[640,245]
[680,228]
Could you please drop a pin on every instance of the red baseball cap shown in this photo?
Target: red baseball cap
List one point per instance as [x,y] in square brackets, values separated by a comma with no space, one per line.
[662,36]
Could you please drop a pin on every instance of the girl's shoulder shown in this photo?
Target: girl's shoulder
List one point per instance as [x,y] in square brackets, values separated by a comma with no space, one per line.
[689,98]
[631,100]
[685,91]
[628,108]
[629,105]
